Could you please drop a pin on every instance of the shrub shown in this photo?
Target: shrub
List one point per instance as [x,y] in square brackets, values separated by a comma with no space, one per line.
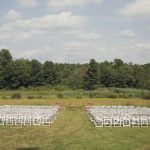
[16,96]
[60,88]
[4,97]
[79,96]
[94,94]
[60,95]
[112,95]
[125,95]
[128,104]
[146,96]
[31,97]
[91,95]
[39,97]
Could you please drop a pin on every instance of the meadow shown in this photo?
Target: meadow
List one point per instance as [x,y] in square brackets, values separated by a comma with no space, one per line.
[53,92]
[72,130]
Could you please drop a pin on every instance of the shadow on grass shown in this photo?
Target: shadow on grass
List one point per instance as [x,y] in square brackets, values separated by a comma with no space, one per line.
[73,107]
[33,148]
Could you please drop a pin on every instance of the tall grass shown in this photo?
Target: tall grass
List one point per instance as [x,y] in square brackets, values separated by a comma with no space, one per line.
[63,92]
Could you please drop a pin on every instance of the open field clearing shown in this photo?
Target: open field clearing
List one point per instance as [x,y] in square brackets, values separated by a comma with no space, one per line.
[72,130]
[62,92]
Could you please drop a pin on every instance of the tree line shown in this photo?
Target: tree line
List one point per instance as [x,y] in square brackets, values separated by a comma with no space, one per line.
[16,73]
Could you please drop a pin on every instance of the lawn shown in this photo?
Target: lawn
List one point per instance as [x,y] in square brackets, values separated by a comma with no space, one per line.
[72,130]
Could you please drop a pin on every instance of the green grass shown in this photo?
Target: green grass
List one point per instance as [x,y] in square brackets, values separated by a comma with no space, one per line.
[54,92]
[72,130]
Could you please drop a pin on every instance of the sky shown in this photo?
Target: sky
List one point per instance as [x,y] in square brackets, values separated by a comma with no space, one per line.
[74,31]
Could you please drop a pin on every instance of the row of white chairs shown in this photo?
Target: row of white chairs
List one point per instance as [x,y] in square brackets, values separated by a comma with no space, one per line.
[119,116]
[28,115]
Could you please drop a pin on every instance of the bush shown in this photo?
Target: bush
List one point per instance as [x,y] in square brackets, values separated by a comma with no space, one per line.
[128,104]
[16,96]
[60,88]
[91,95]
[112,95]
[79,96]
[39,97]
[125,95]
[4,97]
[60,95]
[31,97]
[146,96]
[35,97]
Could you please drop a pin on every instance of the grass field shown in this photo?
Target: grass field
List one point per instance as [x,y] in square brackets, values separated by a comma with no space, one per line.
[72,130]
[64,92]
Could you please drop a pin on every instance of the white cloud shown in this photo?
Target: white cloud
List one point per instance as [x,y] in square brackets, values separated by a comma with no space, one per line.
[13,15]
[22,35]
[137,8]
[36,52]
[128,34]
[23,29]
[62,21]
[134,51]
[47,53]
[82,51]
[67,37]
[61,4]
[27,3]
[67,46]
[72,51]
[5,36]
[84,35]
[143,45]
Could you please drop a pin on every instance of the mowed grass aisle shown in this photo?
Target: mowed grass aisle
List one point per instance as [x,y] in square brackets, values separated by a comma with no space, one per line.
[73,131]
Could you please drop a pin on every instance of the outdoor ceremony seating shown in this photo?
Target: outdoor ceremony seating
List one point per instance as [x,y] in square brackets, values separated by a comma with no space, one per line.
[28,115]
[119,116]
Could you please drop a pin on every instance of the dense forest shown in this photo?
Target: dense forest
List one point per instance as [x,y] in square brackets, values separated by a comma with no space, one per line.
[16,73]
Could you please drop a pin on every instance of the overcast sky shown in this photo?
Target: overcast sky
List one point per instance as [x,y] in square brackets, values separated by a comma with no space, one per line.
[75,31]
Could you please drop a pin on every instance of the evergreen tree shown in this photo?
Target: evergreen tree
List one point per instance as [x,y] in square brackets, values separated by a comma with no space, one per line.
[23,73]
[76,78]
[18,74]
[5,57]
[2,83]
[49,73]
[36,68]
[91,78]
[107,78]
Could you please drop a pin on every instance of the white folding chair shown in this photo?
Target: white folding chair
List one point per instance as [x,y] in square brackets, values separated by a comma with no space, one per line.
[2,119]
[98,121]
[135,120]
[107,121]
[144,120]
[9,119]
[116,121]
